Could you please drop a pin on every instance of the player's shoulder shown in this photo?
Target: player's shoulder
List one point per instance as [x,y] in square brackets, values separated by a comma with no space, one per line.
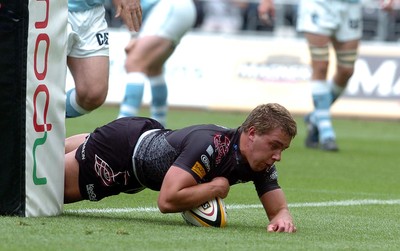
[201,132]
[207,129]
[211,134]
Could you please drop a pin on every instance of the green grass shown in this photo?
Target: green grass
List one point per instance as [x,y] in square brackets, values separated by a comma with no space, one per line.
[366,168]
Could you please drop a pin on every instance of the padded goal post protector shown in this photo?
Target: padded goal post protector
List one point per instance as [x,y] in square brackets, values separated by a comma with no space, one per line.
[13,40]
[32,104]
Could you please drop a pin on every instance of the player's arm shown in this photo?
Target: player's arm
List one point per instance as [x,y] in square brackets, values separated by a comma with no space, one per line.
[130,12]
[387,5]
[275,206]
[180,191]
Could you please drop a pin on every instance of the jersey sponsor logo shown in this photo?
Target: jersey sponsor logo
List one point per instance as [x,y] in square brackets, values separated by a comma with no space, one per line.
[199,169]
[205,161]
[221,143]
[83,151]
[90,191]
[102,38]
[273,175]
[107,175]
[210,150]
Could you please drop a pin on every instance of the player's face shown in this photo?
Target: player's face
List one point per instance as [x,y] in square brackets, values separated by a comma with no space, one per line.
[265,150]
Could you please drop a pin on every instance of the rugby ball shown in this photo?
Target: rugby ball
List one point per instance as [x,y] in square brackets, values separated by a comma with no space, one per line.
[209,214]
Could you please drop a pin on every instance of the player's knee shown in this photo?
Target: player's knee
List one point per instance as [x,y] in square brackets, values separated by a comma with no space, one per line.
[92,99]
[95,101]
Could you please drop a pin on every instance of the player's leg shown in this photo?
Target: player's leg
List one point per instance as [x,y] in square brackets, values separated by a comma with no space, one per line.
[170,26]
[159,93]
[345,42]
[71,179]
[71,176]
[320,130]
[71,143]
[166,24]
[144,64]
[316,20]
[87,60]
[91,84]
[346,55]
[158,85]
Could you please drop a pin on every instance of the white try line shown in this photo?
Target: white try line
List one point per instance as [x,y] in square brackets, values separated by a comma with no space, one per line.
[243,206]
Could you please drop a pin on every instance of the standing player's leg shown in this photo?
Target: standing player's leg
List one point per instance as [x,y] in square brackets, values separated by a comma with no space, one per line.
[91,84]
[144,64]
[346,55]
[317,22]
[345,42]
[88,60]
[161,32]
[159,93]
[320,130]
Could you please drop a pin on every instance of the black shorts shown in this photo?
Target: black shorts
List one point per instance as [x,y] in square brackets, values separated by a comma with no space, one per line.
[105,158]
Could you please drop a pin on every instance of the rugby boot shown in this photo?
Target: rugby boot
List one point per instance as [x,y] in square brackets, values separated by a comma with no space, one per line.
[312,138]
[329,144]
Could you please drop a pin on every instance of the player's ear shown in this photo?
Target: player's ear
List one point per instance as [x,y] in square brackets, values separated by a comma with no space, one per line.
[251,132]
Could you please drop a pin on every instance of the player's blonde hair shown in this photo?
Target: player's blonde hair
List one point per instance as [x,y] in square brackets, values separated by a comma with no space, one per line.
[268,117]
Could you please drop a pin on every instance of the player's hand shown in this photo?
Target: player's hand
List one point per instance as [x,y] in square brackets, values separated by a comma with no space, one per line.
[386,5]
[130,12]
[266,11]
[281,225]
[221,185]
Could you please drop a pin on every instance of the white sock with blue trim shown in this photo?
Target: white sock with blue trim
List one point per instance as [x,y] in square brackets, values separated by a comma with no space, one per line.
[322,98]
[133,94]
[159,92]
[72,109]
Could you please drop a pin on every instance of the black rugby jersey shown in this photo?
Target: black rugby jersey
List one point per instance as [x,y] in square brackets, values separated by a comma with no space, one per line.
[205,151]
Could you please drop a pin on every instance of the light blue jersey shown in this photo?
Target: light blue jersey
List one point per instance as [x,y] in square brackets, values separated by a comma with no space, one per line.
[82,5]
